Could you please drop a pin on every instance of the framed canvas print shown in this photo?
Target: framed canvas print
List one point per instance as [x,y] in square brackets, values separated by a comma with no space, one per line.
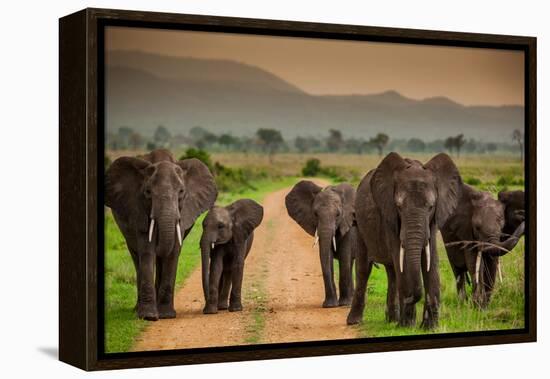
[238,189]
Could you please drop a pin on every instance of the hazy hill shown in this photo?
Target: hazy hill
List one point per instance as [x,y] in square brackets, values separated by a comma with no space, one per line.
[145,90]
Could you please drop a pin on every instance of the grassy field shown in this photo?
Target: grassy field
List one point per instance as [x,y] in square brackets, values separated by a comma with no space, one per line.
[491,173]
[121,324]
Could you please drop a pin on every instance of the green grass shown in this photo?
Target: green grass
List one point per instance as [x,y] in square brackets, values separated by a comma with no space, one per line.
[505,311]
[121,323]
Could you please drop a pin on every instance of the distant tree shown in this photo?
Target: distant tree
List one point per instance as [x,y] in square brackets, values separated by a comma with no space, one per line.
[459,141]
[491,147]
[335,140]
[271,140]
[470,146]
[305,144]
[162,136]
[136,141]
[416,145]
[380,141]
[228,141]
[197,132]
[517,136]
[449,144]
[151,146]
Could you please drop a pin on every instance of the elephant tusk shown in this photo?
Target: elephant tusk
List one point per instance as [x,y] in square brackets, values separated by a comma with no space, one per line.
[316,240]
[334,242]
[428,256]
[212,246]
[151,227]
[499,269]
[178,230]
[478,264]
[401,257]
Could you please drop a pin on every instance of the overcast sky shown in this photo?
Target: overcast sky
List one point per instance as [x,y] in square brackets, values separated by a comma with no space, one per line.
[467,75]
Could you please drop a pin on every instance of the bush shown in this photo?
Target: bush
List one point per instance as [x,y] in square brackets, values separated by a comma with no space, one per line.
[472,181]
[312,167]
[201,155]
[107,162]
[509,180]
[231,179]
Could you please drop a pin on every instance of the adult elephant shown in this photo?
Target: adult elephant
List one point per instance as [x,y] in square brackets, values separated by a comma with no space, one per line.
[475,239]
[328,215]
[155,201]
[228,233]
[399,207]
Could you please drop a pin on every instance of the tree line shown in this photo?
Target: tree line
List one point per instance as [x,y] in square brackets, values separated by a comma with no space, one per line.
[271,141]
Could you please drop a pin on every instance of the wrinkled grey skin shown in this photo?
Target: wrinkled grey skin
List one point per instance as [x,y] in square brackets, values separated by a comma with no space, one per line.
[231,230]
[402,203]
[330,212]
[156,187]
[480,218]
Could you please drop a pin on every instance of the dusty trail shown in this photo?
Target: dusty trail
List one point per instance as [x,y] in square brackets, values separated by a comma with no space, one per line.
[282,295]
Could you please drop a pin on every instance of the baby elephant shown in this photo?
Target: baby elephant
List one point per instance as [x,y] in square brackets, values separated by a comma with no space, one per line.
[227,237]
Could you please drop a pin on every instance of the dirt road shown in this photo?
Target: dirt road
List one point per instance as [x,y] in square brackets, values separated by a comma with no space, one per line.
[282,296]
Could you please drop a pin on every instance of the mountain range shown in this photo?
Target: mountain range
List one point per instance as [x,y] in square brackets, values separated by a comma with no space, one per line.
[145,90]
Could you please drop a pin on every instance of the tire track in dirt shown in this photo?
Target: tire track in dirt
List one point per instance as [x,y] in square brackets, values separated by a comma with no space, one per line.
[282,295]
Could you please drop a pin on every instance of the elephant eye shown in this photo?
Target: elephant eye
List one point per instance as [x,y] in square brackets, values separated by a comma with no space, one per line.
[180,193]
[220,225]
[147,192]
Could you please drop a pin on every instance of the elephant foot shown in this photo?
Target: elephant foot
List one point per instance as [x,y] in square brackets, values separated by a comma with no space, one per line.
[222,306]
[392,316]
[354,318]
[429,321]
[148,312]
[344,302]
[237,307]
[166,311]
[210,309]
[332,303]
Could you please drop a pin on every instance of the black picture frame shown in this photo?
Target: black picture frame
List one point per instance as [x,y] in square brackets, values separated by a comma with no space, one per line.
[81,111]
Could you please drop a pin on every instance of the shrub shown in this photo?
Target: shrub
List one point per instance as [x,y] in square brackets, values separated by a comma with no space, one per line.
[201,155]
[107,162]
[312,167]
[472,181]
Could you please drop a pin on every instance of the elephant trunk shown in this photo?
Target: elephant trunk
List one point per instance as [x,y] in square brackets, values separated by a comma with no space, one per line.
[501,248]
[206,248]
[166,222]
[414,242]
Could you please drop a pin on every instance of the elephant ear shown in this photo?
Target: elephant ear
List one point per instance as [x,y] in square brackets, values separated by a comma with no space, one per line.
[299,205]
[247,216]
[383,187]
[449,186]
[200,191]
[123,181]
[347,194]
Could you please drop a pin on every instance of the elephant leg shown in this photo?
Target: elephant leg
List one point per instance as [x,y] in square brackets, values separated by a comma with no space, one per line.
[216,268]
[392,305]
[147,304]
[460,277]
[430,315]
[166,284]
[225,283]
[327,266]
[408,297]
[135,260]
[477,283]
[345,281]
[235,303]
[363,269]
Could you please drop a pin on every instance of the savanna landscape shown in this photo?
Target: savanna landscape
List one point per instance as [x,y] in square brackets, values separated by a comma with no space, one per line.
[255,122]
[283,263]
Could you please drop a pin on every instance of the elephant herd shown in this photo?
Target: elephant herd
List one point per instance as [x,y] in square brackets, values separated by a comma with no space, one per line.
[391,219]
